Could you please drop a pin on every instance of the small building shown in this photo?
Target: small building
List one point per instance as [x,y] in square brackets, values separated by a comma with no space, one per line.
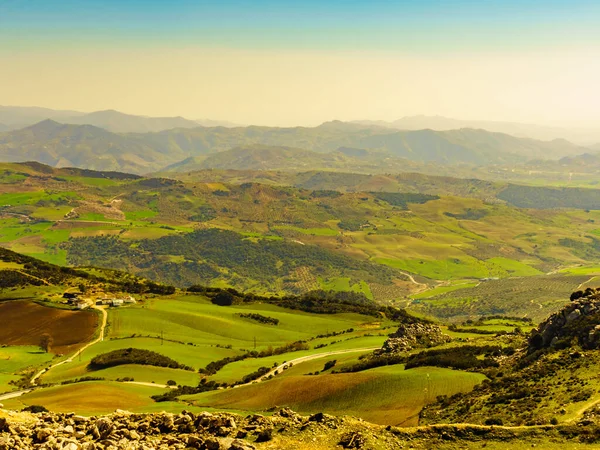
[117,302]
[81,305]
[71,297]
[129,301]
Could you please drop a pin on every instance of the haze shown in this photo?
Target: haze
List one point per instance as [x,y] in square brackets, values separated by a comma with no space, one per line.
[303,63]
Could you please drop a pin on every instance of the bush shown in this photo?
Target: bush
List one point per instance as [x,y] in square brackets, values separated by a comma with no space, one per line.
[171,383]
[35,409]
[133,356]
[494,421]
[260,318]
[329,365]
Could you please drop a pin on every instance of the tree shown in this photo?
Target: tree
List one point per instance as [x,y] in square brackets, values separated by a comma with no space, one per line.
[46,342]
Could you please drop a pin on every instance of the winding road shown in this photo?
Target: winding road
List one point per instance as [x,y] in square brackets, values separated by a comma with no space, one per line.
[100,338]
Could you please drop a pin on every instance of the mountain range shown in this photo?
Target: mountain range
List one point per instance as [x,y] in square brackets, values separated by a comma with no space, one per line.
[15,117]
[353,147]
[584,136]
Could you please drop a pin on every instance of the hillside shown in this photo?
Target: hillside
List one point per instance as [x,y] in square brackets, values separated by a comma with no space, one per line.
[550,380]
[82,146]
[272,239]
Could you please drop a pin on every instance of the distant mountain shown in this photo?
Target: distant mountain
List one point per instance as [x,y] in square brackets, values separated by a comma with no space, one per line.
[15,117]
[82,146]
[440,123]
[118,122]
[216,123]
[332,145]
[457,146]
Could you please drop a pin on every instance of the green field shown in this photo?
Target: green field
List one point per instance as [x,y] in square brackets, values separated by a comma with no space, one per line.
[194,319]
[388,395]
[17,360]
[458,236]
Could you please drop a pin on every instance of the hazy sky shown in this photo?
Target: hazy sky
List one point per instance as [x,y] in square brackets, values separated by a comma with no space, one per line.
[291,62]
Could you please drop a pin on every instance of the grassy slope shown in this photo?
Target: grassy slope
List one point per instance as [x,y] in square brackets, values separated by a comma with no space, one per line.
[388,395]
[16,360]
[185,320]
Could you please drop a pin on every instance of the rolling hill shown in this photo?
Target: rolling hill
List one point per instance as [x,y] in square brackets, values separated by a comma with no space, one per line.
[280,239]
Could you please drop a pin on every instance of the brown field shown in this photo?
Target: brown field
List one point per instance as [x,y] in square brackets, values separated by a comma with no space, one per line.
[24,322]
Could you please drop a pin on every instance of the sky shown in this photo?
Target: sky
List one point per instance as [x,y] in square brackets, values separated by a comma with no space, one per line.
[293,62]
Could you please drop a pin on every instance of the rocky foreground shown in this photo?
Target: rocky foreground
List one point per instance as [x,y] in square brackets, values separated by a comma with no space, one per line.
[283,430]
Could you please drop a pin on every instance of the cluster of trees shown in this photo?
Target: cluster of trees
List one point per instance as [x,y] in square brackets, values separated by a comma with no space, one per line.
[264,260]
[255,375]
[372,362]
[14,278]
[466,357]
[319,302]
[468,214]
[260,318]
[402,199]
[203,213]
[172,394]
[540,197]
[134,356]
[351,224]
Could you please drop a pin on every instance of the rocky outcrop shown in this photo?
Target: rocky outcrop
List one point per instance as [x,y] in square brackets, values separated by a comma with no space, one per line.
[187,430]
[413,335]
[124,430]
[578,320]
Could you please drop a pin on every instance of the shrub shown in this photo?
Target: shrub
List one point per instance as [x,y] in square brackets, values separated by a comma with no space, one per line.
[36,409]
[260,318]
[494,421]
[329,365]
[133,356]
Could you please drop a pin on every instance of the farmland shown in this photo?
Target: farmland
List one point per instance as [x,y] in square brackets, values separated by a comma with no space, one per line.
[388,395]
[274,239]
[25,322]
[195,332]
